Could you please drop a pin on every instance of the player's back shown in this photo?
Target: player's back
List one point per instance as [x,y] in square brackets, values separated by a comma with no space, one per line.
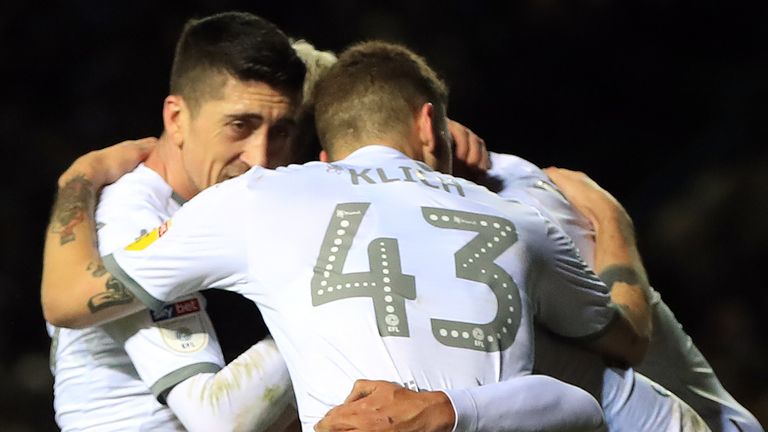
[377,267]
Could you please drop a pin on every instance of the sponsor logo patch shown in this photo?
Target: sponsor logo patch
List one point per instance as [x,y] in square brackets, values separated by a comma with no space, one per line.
[147,239]
[176,310]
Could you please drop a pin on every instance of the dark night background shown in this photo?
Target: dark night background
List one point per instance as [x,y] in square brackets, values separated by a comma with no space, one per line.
[663,102]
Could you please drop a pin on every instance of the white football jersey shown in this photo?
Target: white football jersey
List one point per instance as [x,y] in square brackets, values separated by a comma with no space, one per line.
[672,359]
[109,377]
[376,267]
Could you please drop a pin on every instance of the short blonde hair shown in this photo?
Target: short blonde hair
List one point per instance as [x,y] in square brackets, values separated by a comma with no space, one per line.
[317,63]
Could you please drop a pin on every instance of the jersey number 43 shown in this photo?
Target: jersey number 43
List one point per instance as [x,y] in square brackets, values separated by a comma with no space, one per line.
[389,288]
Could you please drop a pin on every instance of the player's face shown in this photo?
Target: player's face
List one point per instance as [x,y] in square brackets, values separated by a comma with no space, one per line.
[250,124]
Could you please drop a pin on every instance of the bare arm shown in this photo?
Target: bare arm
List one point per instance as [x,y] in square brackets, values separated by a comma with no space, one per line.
[505,406]
[76,290]
[617,262]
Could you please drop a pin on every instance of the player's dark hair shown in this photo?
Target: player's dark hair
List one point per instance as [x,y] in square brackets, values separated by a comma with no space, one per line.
[373,91]
[243,45]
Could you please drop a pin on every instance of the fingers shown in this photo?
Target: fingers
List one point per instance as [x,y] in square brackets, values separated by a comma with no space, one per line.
[145,145]
[485,165]
[139,144]
[148,142]
[344,417]
[331,423]
[562,173]
[474,150]
[360,389]
[484,162]
[469,150]
[571,181]
[142,146]
[585,195]
[112,162]
[131,149]
[460,136]
[477,156]
[567,179]
[108,164]
[354,413]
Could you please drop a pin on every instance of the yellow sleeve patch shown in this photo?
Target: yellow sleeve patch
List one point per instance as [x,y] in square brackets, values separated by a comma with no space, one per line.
[147,239]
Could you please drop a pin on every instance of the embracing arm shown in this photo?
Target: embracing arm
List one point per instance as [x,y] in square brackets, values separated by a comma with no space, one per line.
[528,403]
[76,290]
[616,260]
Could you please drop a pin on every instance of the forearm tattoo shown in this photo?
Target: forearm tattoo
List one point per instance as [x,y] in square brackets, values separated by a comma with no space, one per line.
[73,202]
[115,294]
[621,273]
[96,269]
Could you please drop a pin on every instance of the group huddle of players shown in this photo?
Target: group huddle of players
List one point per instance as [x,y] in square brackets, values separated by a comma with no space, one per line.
[398,296]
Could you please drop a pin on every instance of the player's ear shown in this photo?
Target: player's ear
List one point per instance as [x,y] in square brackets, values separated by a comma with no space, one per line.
[435,151]
[424,130]
[324,156]
[173,107]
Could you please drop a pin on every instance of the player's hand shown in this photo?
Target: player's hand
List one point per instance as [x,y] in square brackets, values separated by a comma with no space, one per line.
[470,157]
[588,197]
[105,166]
[383,406]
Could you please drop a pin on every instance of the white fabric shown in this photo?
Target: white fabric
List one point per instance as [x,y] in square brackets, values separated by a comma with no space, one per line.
[245,397]
[532,403]
[672,359]
[97,388]
[103,374]
[376,242]
[96,385]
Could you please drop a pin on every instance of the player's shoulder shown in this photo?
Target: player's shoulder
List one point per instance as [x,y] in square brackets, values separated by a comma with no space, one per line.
[136,189]
[294,176]
[511,167]
[245,188]
[512,208]
[136,203]
[518,179]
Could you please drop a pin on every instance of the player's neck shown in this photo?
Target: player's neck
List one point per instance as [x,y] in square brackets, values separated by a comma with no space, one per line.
[165,159]
[402,144]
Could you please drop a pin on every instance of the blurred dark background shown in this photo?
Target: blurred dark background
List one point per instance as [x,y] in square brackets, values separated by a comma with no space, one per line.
[663,102]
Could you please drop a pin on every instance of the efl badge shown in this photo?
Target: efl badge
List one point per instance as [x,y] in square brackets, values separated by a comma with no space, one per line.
[181,326]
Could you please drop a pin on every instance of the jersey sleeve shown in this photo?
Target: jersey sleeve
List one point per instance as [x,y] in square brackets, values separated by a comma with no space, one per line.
[523,181]
[128,209]
[548,199]
[527,403]
[252,393]
[167,347]
[171,345]
[569,299]
[202,247]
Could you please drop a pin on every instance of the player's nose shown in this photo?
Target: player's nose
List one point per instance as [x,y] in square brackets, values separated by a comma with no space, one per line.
[255,151]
